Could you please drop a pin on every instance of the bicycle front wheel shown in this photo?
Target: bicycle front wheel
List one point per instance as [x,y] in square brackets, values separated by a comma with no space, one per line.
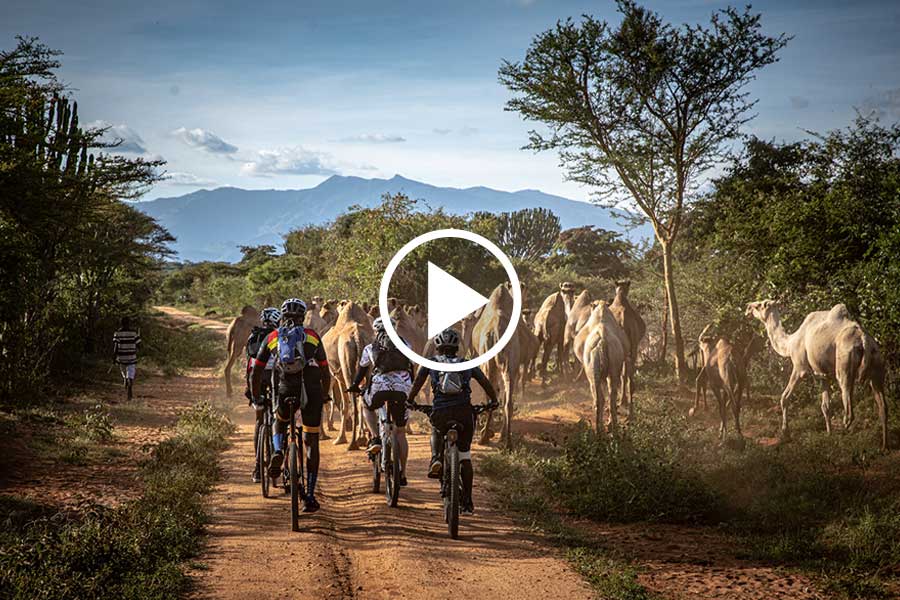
[295,486]
[453,493]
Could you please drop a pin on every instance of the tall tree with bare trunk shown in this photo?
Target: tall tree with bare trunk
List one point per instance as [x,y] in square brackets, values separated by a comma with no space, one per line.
[642,110]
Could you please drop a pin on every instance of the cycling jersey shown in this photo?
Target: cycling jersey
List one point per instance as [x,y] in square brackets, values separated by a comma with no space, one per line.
[392,381]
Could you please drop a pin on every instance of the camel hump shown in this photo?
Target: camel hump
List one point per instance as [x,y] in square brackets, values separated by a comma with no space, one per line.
[249,312]
[839,311]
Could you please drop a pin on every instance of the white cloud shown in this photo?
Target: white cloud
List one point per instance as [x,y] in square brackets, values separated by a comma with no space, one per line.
[205,140]
[126,139]
[187,179]
[375,138]
[288,161]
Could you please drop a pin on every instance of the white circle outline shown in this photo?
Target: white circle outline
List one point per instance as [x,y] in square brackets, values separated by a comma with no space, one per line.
[510,273]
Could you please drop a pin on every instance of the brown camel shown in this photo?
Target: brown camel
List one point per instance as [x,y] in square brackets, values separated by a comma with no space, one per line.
[528,350]
[830,345]
[495,316]
[721,372]
[742,358]
[329,311]
[601,346]
[315,321]
[549,328]
[236,340]
[635,328]
[408,329]
[344,344]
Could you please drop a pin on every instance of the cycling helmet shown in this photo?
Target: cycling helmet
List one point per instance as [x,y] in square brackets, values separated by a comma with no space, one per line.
[448,338]
[270,317]
[378,324]
[293,309]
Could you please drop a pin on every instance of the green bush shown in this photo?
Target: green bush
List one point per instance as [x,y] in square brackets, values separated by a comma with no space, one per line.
[134,551]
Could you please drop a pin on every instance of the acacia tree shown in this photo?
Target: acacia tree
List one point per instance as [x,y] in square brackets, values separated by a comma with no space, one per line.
[641,111]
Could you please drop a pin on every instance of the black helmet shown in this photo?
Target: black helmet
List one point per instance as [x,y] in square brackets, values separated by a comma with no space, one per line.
[448,338]
[293,309]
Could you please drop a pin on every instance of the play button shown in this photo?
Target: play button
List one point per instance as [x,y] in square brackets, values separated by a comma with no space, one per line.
[449,300]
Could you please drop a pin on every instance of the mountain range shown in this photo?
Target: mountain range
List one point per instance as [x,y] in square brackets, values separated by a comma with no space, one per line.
[211,224]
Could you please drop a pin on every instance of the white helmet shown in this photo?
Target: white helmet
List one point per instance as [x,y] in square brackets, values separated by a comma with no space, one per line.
[270,316]
[378,324]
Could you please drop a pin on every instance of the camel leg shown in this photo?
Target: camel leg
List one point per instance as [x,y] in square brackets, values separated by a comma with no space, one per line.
[342,432]
[826,404]
[736,411]
[788,390]
[545,356]
[723,414]
[699,389]
[356,422]
[878,391]
[594,385]
[561,357]
[611,384]
[509,383]
[846,385]
[232,356]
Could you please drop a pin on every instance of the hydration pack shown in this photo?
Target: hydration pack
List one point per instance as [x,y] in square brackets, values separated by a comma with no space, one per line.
[291,359]
[385,355]
[256,340]
[450,383]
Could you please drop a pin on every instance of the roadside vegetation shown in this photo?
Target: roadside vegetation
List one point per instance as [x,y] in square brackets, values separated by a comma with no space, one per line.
[137,550]
[826,505]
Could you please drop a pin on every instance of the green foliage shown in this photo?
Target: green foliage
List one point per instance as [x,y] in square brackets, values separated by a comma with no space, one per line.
[72,255]
[592,252]
[135,551]
[175,347]
[612,579]
[93,424]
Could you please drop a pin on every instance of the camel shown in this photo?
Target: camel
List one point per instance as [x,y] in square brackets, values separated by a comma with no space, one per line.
[314,320]
[830,345]
[601,346]
[721,372]
[374,311]
[419,316]
[567,289]
[742,361]
[236,339]
[635,328]
[328,311]
[579,314]
[491,325]
[528,349]
[408,330]
[344,344]
[549,328]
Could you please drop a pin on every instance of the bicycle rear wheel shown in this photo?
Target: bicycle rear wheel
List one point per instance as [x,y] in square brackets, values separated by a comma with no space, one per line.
[453,493]
[263,457]
[295,486]
[395,477]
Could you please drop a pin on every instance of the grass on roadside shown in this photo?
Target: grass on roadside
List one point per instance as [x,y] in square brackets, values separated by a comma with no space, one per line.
[137,550]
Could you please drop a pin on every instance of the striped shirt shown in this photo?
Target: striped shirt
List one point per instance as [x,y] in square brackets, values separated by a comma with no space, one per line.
[125,345]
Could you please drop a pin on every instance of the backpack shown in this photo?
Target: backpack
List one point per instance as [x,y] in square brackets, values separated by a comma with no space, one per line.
[256,340]
[291,359]
[449,383]
[385,355]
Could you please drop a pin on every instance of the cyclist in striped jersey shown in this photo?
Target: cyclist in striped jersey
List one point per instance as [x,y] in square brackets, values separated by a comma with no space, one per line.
[125,346]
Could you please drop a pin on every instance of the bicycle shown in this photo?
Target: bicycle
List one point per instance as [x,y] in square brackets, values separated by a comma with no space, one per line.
[390,459]
[264,447]
[292,472]
[451,480]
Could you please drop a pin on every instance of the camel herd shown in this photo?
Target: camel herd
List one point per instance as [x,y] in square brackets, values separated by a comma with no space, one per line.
[598,340]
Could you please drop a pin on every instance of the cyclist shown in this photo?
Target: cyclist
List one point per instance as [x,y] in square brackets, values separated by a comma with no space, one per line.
[389,374]
[269,318]
[125,347]
[452,401]
[300,364]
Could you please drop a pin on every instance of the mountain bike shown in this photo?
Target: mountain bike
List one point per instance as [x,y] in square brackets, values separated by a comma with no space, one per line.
[451,480]
[390,454]
[264,443]
[292,472]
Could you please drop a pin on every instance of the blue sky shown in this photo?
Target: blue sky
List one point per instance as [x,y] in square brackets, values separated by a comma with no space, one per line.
[282,94]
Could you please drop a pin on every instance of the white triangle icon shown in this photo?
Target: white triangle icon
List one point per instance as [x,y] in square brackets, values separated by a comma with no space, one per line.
[449,300]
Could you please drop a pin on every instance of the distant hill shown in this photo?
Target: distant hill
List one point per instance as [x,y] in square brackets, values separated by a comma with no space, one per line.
[210,224]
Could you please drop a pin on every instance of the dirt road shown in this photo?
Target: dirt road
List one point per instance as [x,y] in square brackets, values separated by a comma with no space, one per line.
[357,547]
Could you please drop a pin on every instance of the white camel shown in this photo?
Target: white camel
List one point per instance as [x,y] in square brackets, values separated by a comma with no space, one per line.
[828,344]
